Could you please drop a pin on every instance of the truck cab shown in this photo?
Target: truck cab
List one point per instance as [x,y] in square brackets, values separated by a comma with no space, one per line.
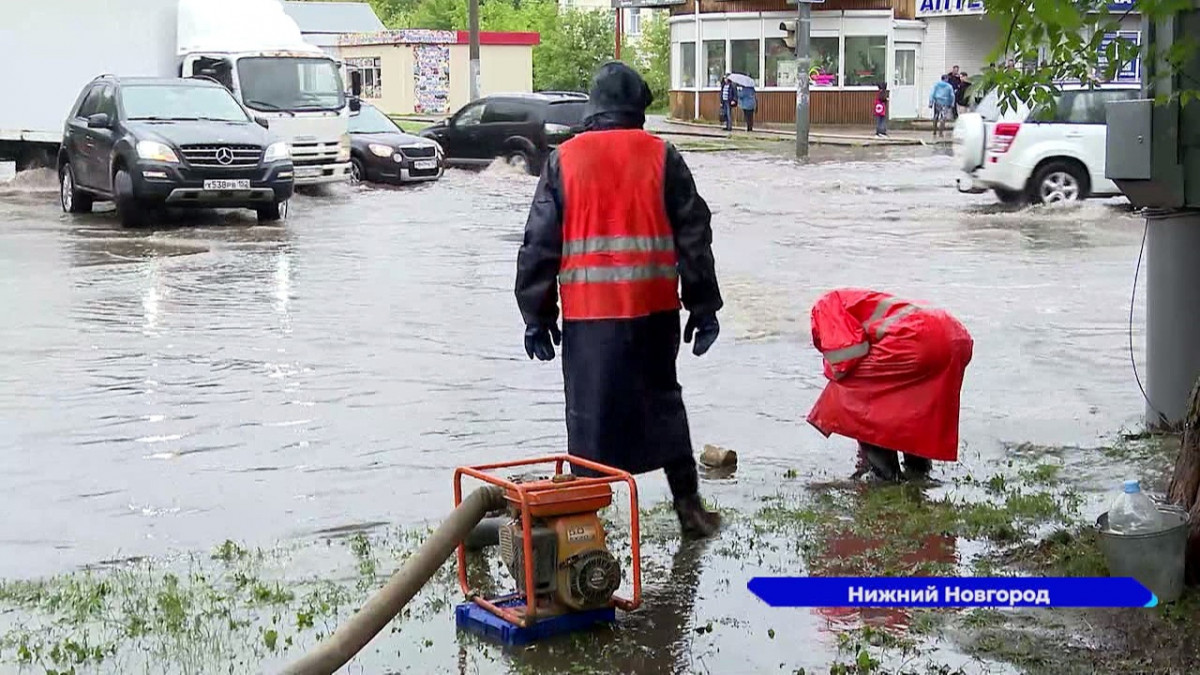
[296,87]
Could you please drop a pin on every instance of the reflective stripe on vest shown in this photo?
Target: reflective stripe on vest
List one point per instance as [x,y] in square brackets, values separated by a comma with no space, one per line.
[860,349]
[619,259]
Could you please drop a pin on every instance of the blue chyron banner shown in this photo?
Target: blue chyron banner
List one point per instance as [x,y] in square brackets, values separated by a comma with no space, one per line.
[952,592]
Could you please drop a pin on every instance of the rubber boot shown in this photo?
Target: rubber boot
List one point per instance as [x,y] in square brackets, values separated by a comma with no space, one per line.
[696,522]
[885,464]
[916,467]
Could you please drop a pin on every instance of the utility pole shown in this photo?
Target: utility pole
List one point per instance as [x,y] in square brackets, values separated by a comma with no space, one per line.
[1156,164]
[473,25]
[617,48]
[803,64]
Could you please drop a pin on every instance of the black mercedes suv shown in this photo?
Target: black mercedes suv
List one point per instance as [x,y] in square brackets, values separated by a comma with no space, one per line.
[148,143]
[521,128]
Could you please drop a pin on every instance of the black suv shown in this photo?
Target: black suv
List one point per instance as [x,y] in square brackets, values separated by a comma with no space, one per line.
[521,128]
[148,143]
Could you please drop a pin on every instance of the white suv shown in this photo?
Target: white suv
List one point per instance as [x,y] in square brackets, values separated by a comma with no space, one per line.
[1051,153]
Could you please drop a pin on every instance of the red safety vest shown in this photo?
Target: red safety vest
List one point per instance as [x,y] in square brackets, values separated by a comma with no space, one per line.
[619,259]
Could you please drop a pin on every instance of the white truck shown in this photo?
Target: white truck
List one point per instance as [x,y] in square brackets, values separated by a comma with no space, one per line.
[55,47]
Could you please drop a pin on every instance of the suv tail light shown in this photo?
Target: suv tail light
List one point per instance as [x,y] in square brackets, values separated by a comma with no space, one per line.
[1003,136]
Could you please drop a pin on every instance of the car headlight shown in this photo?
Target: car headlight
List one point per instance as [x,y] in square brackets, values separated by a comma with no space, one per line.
[277,151]
[158,152]
[344,149]
[381,150]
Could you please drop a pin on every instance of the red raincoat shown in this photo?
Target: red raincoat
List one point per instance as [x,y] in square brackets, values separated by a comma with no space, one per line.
[895,370]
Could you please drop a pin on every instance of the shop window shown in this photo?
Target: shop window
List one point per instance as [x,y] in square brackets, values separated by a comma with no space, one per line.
[744,57]
[780,64]
[714,60]
[866,60]
[372,75]
[826,54]
[687,65]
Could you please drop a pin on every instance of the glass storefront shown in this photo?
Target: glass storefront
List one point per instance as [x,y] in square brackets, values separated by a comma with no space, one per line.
[714,59]
[743,57]
[687,64]
[852,61]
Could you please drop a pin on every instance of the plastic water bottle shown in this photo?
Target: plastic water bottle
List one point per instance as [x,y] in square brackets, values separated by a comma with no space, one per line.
[1132,512]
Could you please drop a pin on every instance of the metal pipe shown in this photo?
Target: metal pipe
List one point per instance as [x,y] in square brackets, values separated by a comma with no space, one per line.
[1172,305]
[353,635]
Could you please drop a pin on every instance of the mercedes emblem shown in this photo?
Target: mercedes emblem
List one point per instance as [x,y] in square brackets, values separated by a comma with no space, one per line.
[225,156]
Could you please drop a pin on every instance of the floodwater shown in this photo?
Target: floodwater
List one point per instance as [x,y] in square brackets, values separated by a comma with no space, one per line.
[214,379]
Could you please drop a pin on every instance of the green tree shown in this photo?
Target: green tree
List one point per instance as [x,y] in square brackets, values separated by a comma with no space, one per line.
[1056,40]
[570,54]
[654,57]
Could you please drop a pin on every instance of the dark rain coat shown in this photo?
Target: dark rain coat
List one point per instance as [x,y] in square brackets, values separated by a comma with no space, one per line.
[624,404]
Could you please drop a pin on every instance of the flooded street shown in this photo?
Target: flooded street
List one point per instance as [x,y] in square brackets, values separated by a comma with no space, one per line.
[169,389]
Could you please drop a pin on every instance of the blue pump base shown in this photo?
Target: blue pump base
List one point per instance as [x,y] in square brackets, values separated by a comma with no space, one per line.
[472,618]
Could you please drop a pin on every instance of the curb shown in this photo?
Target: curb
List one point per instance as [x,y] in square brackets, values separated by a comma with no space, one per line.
[817,138]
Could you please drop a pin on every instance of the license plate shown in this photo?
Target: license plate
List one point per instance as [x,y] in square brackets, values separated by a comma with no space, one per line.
[425,164]
[226,185]
[308,173]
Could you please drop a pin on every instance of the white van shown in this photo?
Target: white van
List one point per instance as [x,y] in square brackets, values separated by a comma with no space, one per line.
[1050,153]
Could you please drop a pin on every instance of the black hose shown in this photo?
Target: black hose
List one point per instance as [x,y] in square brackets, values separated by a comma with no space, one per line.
[350,638]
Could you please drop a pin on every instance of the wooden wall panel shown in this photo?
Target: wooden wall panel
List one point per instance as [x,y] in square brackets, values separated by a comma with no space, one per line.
[779,107]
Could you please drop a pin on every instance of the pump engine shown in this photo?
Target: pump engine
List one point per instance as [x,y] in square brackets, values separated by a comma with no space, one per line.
[573,569]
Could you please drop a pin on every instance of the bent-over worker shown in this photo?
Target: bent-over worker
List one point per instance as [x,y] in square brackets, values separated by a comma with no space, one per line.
[616,227]
[895,372]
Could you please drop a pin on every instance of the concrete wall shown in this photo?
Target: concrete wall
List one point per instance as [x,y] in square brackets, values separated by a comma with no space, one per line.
[503,68]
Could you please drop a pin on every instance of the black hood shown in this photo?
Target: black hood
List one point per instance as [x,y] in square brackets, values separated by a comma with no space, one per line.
[618,98]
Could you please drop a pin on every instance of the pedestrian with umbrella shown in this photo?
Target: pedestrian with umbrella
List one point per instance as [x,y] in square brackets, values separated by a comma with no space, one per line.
[746,99]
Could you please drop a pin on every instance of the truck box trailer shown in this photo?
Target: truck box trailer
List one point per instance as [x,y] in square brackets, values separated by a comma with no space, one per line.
[55,47]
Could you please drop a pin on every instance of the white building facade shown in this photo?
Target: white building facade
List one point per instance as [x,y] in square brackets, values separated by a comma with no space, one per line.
[961,33]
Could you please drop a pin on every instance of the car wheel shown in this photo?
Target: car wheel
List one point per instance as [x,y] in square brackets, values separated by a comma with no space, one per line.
[1011,197]
[274,212]
[131,212]
[357,173]
[1058,182]
[518,159]
[72,200]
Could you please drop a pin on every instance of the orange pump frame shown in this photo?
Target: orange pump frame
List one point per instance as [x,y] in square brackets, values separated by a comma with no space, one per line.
[538,499]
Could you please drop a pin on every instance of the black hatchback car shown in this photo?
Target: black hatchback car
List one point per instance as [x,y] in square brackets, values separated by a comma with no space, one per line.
[147,143]
[381,152]
[521,128]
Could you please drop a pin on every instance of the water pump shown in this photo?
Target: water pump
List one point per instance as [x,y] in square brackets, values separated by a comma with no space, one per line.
[555,545]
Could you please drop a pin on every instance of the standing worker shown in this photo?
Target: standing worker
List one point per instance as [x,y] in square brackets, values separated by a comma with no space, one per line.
[617,225]
[895,370]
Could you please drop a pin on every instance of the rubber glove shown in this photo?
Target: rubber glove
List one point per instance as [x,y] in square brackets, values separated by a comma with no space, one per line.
[705,328]
[540,341]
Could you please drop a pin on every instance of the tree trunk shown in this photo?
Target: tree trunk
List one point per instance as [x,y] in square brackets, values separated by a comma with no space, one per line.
[1185,482]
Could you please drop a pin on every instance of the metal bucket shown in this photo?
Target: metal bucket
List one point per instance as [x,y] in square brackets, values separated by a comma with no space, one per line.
[1155,559]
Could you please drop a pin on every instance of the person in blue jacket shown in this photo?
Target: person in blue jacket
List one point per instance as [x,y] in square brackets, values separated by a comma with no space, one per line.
[747,102]
[942,100]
